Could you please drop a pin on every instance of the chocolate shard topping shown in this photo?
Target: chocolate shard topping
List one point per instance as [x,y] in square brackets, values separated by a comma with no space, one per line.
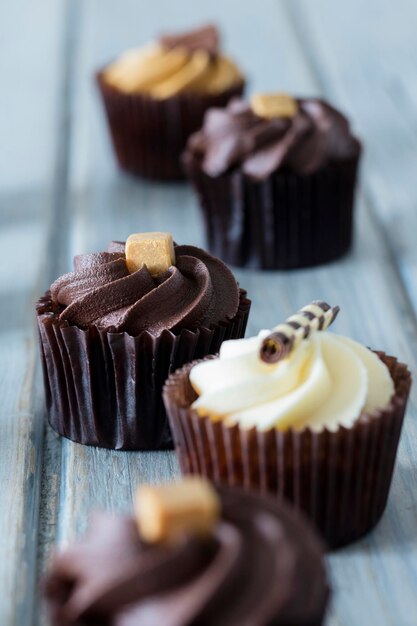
[205,38]
[279,344]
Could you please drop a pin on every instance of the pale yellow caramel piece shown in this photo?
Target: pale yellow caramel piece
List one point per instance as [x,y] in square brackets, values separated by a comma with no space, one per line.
[270,105]
[166,513]
[155,250]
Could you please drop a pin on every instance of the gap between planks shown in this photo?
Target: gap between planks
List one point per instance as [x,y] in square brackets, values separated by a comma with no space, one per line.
[54,264]
[300,20]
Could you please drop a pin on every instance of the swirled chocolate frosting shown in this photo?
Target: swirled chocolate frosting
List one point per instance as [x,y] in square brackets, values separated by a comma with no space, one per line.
[235,137]
[262,566]
[197,292]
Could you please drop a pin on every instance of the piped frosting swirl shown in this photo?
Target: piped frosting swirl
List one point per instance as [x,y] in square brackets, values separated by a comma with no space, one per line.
[197,292]
[261,565]
[325,381]
[188,62]
[237,138]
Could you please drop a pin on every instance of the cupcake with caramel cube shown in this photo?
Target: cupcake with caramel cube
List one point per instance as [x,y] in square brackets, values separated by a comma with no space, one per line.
[155,97]
[311,416]
[275,179]
[191,555]
[114,328]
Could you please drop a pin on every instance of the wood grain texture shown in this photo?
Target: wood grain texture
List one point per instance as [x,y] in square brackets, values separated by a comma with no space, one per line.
[363,57]
[74,199]
[372,75]
[28,125]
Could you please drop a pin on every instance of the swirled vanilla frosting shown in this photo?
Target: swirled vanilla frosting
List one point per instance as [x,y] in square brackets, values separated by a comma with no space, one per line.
[190,62]
[198,291]
[261,565]
[327,381]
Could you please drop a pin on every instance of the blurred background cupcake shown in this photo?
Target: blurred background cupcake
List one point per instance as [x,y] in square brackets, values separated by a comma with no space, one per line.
[112,330]
[155,97]
[312,417]
[191,555]
[276,180]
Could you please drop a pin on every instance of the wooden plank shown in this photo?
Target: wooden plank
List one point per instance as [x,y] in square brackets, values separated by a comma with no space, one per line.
[363,56]
[28,121]
[56,262]
[363,65]
[105,205]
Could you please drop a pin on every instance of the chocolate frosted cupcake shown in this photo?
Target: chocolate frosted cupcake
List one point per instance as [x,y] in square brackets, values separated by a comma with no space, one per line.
[156,96]
[113,329]
[276,181]
[200,557]
[310,416]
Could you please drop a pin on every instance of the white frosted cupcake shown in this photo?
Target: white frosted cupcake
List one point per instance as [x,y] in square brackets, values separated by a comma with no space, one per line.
[311,416]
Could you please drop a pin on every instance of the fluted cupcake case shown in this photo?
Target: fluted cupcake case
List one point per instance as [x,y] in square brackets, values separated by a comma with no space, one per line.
[149,135]
[339,479]
[286,221]
[104,389]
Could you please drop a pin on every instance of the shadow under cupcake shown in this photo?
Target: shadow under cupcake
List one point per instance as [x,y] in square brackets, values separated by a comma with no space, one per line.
[312,417]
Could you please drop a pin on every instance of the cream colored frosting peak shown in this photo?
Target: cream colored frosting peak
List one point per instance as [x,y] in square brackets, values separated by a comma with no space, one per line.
[327,381]
[162,72]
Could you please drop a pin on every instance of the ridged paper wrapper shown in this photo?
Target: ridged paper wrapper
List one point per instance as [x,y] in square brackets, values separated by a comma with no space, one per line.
[286,221]
[149,135]
[339,479]
[105,389]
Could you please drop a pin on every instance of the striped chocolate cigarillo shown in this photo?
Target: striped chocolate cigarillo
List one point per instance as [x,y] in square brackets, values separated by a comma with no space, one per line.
[315,316]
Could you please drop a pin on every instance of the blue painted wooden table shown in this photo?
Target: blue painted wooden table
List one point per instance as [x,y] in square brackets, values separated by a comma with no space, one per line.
[60,194]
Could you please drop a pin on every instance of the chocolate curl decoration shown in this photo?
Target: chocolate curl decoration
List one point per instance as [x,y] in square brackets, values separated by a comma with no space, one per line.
[204,38]
[281,342]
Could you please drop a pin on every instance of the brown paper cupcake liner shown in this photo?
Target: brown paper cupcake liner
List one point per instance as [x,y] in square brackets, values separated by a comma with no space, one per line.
[149,135]
[287,221]
[339,479]
[105,389]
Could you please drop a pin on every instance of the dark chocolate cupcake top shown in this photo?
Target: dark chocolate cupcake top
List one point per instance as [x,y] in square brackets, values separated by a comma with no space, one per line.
[198,291]
[301,135]
[261,565]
